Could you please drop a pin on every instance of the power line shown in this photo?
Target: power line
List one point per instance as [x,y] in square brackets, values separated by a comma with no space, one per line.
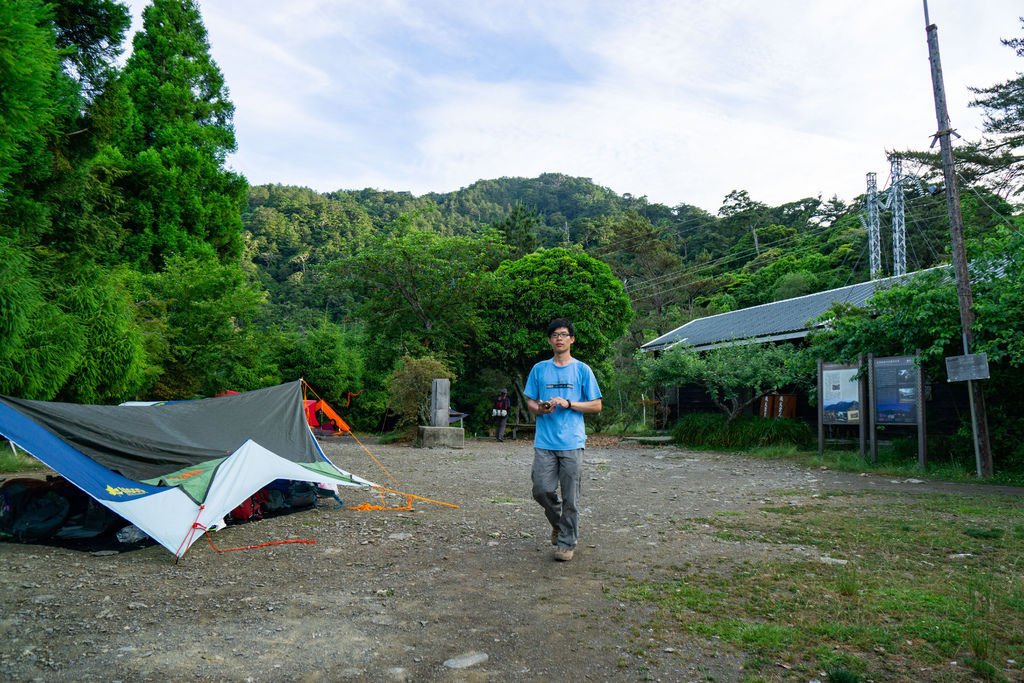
[1007,219]
[686,276]
[740,255]
[694,273]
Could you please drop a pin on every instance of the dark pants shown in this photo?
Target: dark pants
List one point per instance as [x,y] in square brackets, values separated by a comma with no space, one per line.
[499,423]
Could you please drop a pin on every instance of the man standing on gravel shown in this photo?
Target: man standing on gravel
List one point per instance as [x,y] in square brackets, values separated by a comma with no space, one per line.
[559,391]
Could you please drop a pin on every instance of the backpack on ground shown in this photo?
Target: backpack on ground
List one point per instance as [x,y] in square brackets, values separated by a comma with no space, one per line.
[32,509]
[249,509]
[93,521]
[301,494]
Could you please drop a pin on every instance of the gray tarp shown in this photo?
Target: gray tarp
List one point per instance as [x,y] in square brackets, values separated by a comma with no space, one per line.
[145,442]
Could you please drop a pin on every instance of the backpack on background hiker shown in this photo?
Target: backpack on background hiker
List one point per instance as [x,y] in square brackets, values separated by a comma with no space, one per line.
[501,406]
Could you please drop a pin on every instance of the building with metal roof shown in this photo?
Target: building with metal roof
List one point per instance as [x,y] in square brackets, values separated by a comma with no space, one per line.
[776,321]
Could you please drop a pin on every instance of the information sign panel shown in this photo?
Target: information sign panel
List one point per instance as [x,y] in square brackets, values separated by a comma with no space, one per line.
[840,394]
[965,368]
[896,393]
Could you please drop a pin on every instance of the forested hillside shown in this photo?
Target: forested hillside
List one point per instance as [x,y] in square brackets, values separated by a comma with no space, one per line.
[674,262]
[135,264]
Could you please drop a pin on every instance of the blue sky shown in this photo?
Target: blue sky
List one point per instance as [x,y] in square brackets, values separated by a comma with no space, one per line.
[679,100]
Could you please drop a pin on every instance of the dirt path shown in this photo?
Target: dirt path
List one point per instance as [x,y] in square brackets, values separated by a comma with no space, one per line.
[393,596]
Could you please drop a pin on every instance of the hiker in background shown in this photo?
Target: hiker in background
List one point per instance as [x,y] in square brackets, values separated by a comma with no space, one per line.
[559,391]
[500,413]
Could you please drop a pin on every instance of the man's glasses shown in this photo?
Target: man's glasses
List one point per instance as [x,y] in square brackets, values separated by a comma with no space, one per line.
[560,335]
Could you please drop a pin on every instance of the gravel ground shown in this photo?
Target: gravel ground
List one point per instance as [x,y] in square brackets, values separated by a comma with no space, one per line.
[431,594]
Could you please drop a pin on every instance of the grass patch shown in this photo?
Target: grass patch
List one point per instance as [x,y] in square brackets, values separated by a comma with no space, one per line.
[892,586]
[889,463]
[399,436]
[840,674]
[984,533]
[795,440]
[16,460]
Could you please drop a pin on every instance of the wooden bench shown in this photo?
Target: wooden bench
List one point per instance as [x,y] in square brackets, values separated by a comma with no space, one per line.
[529,427]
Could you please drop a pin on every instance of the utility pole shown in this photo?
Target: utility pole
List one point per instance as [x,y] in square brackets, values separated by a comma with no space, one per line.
[874,247]
[979,419]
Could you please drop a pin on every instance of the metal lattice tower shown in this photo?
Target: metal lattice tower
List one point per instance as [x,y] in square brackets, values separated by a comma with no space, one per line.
[874,241]
[899,224]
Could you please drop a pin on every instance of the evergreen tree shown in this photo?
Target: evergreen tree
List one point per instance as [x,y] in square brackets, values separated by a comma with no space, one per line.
[200,313]
[29,103]
[89,36]
[67,329]
[520,229]
[58,196]
[1003,105]
[996,161]
[180,196]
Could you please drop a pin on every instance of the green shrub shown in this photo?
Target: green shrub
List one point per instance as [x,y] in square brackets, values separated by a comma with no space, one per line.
[410,386]
[712,430]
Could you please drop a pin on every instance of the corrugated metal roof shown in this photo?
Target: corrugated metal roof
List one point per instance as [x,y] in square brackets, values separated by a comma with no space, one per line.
[787,319]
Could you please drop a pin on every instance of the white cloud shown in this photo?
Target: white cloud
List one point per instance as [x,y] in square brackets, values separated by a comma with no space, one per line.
[681,101]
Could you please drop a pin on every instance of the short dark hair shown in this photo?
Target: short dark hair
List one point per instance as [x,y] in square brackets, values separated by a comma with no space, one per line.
[561,322]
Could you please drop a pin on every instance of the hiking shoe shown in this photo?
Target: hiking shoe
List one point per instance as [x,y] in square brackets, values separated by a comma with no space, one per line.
[554,536]
[564,554]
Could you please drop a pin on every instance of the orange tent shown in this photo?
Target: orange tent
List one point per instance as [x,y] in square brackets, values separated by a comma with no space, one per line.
[313,411]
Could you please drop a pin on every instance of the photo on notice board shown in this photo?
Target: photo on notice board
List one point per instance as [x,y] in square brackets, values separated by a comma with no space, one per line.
[840,394]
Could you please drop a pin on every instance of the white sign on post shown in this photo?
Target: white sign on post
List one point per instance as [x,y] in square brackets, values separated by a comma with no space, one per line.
[965,368]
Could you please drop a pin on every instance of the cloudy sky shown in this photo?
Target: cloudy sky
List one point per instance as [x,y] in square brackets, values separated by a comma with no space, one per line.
[678,100]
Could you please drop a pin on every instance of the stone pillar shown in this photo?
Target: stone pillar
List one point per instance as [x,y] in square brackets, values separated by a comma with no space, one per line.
[440,402]
[438,434]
